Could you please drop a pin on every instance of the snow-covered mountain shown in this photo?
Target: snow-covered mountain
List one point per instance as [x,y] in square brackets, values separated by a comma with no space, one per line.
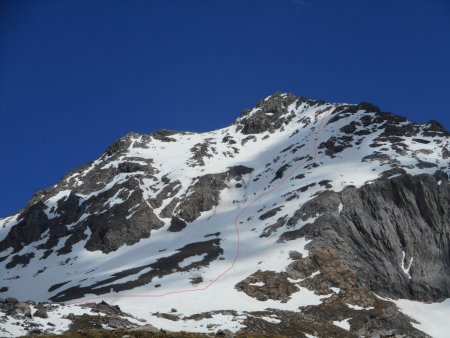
[302,218]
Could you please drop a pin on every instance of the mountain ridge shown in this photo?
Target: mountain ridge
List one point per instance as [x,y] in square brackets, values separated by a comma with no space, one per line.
[156,210]
[164,133]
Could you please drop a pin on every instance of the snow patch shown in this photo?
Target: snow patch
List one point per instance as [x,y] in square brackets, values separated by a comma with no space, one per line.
[309,335]
[52,203]
[404,267]
[357,307]
[344,324]
[192,259]
[432,319]
[315,273]
[335,290]
[271,320]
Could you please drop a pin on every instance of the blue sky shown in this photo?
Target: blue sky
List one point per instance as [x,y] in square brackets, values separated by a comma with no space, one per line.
[76,75]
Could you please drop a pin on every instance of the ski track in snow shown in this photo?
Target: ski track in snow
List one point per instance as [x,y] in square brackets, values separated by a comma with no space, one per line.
[236,220]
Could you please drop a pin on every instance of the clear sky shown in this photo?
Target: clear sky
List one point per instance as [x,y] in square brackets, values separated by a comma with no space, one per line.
[76,75]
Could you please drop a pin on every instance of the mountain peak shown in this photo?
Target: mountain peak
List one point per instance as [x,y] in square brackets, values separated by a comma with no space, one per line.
[296,192]
[272,113]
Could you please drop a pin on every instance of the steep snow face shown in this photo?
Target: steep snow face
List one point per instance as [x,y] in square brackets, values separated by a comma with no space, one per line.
[170,219]
[430,318]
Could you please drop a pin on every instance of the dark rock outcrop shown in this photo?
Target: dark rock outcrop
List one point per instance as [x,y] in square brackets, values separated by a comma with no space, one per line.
[176,224]
[111,224]
[164,135]
[41,313]
[203,194]
[210,250]
[264,285]
[271,114]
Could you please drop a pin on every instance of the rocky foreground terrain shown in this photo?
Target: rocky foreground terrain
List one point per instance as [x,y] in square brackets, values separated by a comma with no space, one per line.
[301,219]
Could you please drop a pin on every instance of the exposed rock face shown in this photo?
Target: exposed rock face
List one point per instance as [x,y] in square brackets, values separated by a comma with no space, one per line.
[200,151]
[378,318]
[109,223]
[323,270]
[116,217]
[202,196]
[378,223]
[176,224]
[204,193]
[271,114]
[264,285]
[164,135]
[168,191]
[73,207]
[357,248]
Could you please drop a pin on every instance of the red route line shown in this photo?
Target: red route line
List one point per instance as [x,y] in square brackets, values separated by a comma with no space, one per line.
[238,242]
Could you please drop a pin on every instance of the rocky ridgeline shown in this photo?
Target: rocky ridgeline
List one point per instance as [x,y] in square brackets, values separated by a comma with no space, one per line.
[46,318]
